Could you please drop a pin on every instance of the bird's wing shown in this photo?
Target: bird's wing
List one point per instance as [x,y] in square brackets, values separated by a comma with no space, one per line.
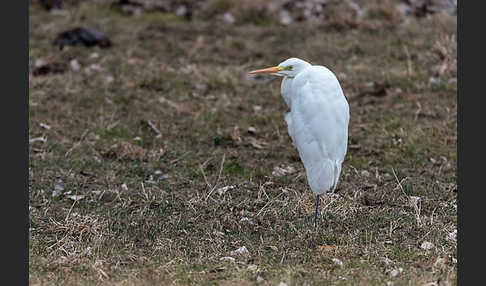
[320,117]
[320,109]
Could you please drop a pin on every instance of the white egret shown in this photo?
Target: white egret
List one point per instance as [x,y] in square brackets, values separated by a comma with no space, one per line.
[317,122]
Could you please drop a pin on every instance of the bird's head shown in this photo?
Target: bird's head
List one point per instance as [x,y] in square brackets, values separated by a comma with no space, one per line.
[288,68]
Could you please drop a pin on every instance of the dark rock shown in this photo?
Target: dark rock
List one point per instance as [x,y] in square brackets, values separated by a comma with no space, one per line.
[82,36]
[53,68]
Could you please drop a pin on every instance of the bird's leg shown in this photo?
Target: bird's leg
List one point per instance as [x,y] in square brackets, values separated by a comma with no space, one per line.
[317,207]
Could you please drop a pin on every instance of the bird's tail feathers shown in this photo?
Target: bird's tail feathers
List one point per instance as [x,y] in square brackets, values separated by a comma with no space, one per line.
[320,176]
[337,172]
[324,177]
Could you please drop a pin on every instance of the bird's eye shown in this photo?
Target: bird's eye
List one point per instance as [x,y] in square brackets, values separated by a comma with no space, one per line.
[290,68]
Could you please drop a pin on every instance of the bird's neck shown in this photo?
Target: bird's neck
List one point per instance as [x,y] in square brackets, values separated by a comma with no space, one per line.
[285,90]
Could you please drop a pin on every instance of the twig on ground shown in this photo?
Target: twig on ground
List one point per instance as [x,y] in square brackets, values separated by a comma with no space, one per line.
[76,145]
[219,176]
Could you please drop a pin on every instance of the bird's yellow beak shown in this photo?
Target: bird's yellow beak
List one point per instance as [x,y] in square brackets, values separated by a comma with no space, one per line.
[267,70]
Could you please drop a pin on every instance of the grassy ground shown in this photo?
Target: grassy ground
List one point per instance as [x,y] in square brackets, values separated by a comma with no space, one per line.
[113,202]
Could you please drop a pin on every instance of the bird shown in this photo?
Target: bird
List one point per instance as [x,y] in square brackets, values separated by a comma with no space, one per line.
[318,120]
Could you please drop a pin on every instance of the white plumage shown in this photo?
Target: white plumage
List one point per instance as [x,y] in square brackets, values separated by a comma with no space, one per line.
[317,122]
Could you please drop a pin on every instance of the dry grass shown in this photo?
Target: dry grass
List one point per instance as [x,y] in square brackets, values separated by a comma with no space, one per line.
[148,138]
